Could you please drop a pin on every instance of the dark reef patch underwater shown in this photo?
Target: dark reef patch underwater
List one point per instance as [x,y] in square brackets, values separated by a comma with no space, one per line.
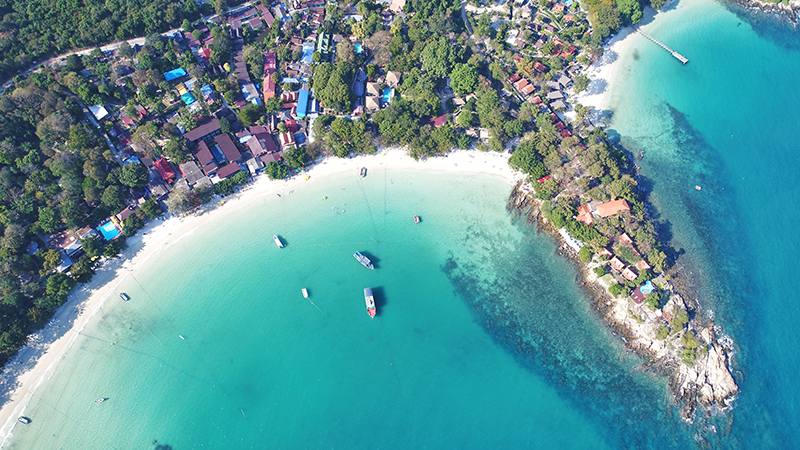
[532,307]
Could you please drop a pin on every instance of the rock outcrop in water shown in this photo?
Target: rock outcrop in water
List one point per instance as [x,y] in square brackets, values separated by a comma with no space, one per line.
[708,382]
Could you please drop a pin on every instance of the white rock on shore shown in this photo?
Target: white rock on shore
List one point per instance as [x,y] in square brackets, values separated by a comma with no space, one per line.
[709,379]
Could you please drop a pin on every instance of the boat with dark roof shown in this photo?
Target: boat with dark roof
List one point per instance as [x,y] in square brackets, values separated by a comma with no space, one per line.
[370,302]
[363,260]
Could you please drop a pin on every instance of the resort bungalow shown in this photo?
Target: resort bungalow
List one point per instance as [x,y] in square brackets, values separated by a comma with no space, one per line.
[642,265]
[373,89]
[617,264]
[393,78]
[555,95]
[122,215]
[584,215]
[629,274]
[397,5]
[610,208]
[373,103]
[527,90]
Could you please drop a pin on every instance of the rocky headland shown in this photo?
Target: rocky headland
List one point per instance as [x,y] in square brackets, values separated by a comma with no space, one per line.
[704,381]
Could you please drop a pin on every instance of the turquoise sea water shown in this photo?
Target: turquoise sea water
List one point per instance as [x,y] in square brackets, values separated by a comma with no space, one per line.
[482,340]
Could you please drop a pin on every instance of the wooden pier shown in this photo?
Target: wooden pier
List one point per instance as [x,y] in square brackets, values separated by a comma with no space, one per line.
[677,55]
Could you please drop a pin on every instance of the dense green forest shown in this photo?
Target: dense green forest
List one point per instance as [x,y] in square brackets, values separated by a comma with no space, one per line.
[56,172]
[33,29]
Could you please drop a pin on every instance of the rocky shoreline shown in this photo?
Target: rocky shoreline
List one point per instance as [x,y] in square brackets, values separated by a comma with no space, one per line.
[708,383]
[790,10]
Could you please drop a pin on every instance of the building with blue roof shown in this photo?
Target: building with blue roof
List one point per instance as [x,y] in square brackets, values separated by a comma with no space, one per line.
[174,74]
[302,103]
[188,98]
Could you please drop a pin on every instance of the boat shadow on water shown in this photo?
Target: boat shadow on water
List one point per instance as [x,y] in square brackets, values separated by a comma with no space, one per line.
[380,300]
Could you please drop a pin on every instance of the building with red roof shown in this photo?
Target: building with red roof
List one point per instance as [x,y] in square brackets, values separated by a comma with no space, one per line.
[521,83]
[228,147]
[164,168]
[629,274]
[439,121]
[527,90]
[267,158]
[227,170]
[585,215]
[269,87]
[617,264]
[614,206]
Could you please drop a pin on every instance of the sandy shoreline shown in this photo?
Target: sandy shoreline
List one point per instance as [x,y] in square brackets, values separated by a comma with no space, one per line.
[36,362]
[598,95]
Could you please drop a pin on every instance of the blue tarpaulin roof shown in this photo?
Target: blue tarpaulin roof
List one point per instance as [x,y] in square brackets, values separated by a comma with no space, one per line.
[206,90]
[188,98]
[174,74]
[302,103]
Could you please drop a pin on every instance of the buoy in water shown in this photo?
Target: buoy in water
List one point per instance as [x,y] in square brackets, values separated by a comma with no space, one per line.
[325,197]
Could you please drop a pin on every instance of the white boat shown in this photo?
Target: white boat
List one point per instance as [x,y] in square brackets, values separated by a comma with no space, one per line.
[364,260]
[370,300]
[100,400]
[305,293]
[277,240]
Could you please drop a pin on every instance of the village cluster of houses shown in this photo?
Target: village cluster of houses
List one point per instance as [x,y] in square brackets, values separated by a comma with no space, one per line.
[586,215]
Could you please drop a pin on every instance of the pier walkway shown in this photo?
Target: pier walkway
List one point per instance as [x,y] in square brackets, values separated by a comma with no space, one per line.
[677,55]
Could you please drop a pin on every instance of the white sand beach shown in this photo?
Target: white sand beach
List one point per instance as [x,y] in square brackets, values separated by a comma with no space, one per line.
[37,361]
[598,95]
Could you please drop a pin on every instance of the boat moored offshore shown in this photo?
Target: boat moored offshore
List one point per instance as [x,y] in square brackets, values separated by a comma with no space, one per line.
[305,293]
[124,296]
[370,299]
[277,240]
[363,260]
